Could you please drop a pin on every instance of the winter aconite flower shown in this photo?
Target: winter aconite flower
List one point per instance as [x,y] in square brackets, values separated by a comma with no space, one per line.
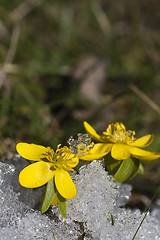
[51,168]
[49,164]
[120,144]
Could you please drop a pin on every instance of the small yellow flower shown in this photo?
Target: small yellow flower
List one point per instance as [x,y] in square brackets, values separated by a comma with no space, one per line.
[121,143]
[49,164]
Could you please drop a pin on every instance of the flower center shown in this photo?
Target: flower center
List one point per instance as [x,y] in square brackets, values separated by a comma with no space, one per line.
[117,133]
[61,158]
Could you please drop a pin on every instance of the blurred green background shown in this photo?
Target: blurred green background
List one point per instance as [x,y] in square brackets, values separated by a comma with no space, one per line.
[63,62]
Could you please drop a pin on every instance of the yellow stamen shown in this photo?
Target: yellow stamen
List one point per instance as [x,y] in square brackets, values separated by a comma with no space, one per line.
[117,133]
[61,158]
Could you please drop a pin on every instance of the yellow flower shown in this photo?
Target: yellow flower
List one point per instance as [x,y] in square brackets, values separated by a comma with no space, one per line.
[49,164]
[121,143]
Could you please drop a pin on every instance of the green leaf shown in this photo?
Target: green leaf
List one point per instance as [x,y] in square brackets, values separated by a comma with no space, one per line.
[136,167]
[125,170]
[62,203]
[111,164]
[49,195]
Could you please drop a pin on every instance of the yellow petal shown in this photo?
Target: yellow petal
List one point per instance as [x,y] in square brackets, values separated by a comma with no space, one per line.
[143,141]
[120,151]
[64,184]
[99,150]
[92,132]
[31,151]
[55,200]
[36,174]
[72,162]
[142,154]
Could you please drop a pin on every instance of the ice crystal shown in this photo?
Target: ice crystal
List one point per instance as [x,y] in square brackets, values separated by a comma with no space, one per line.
[81,145]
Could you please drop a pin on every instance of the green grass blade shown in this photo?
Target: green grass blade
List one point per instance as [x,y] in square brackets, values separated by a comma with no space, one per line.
[152,199]
[140,225]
